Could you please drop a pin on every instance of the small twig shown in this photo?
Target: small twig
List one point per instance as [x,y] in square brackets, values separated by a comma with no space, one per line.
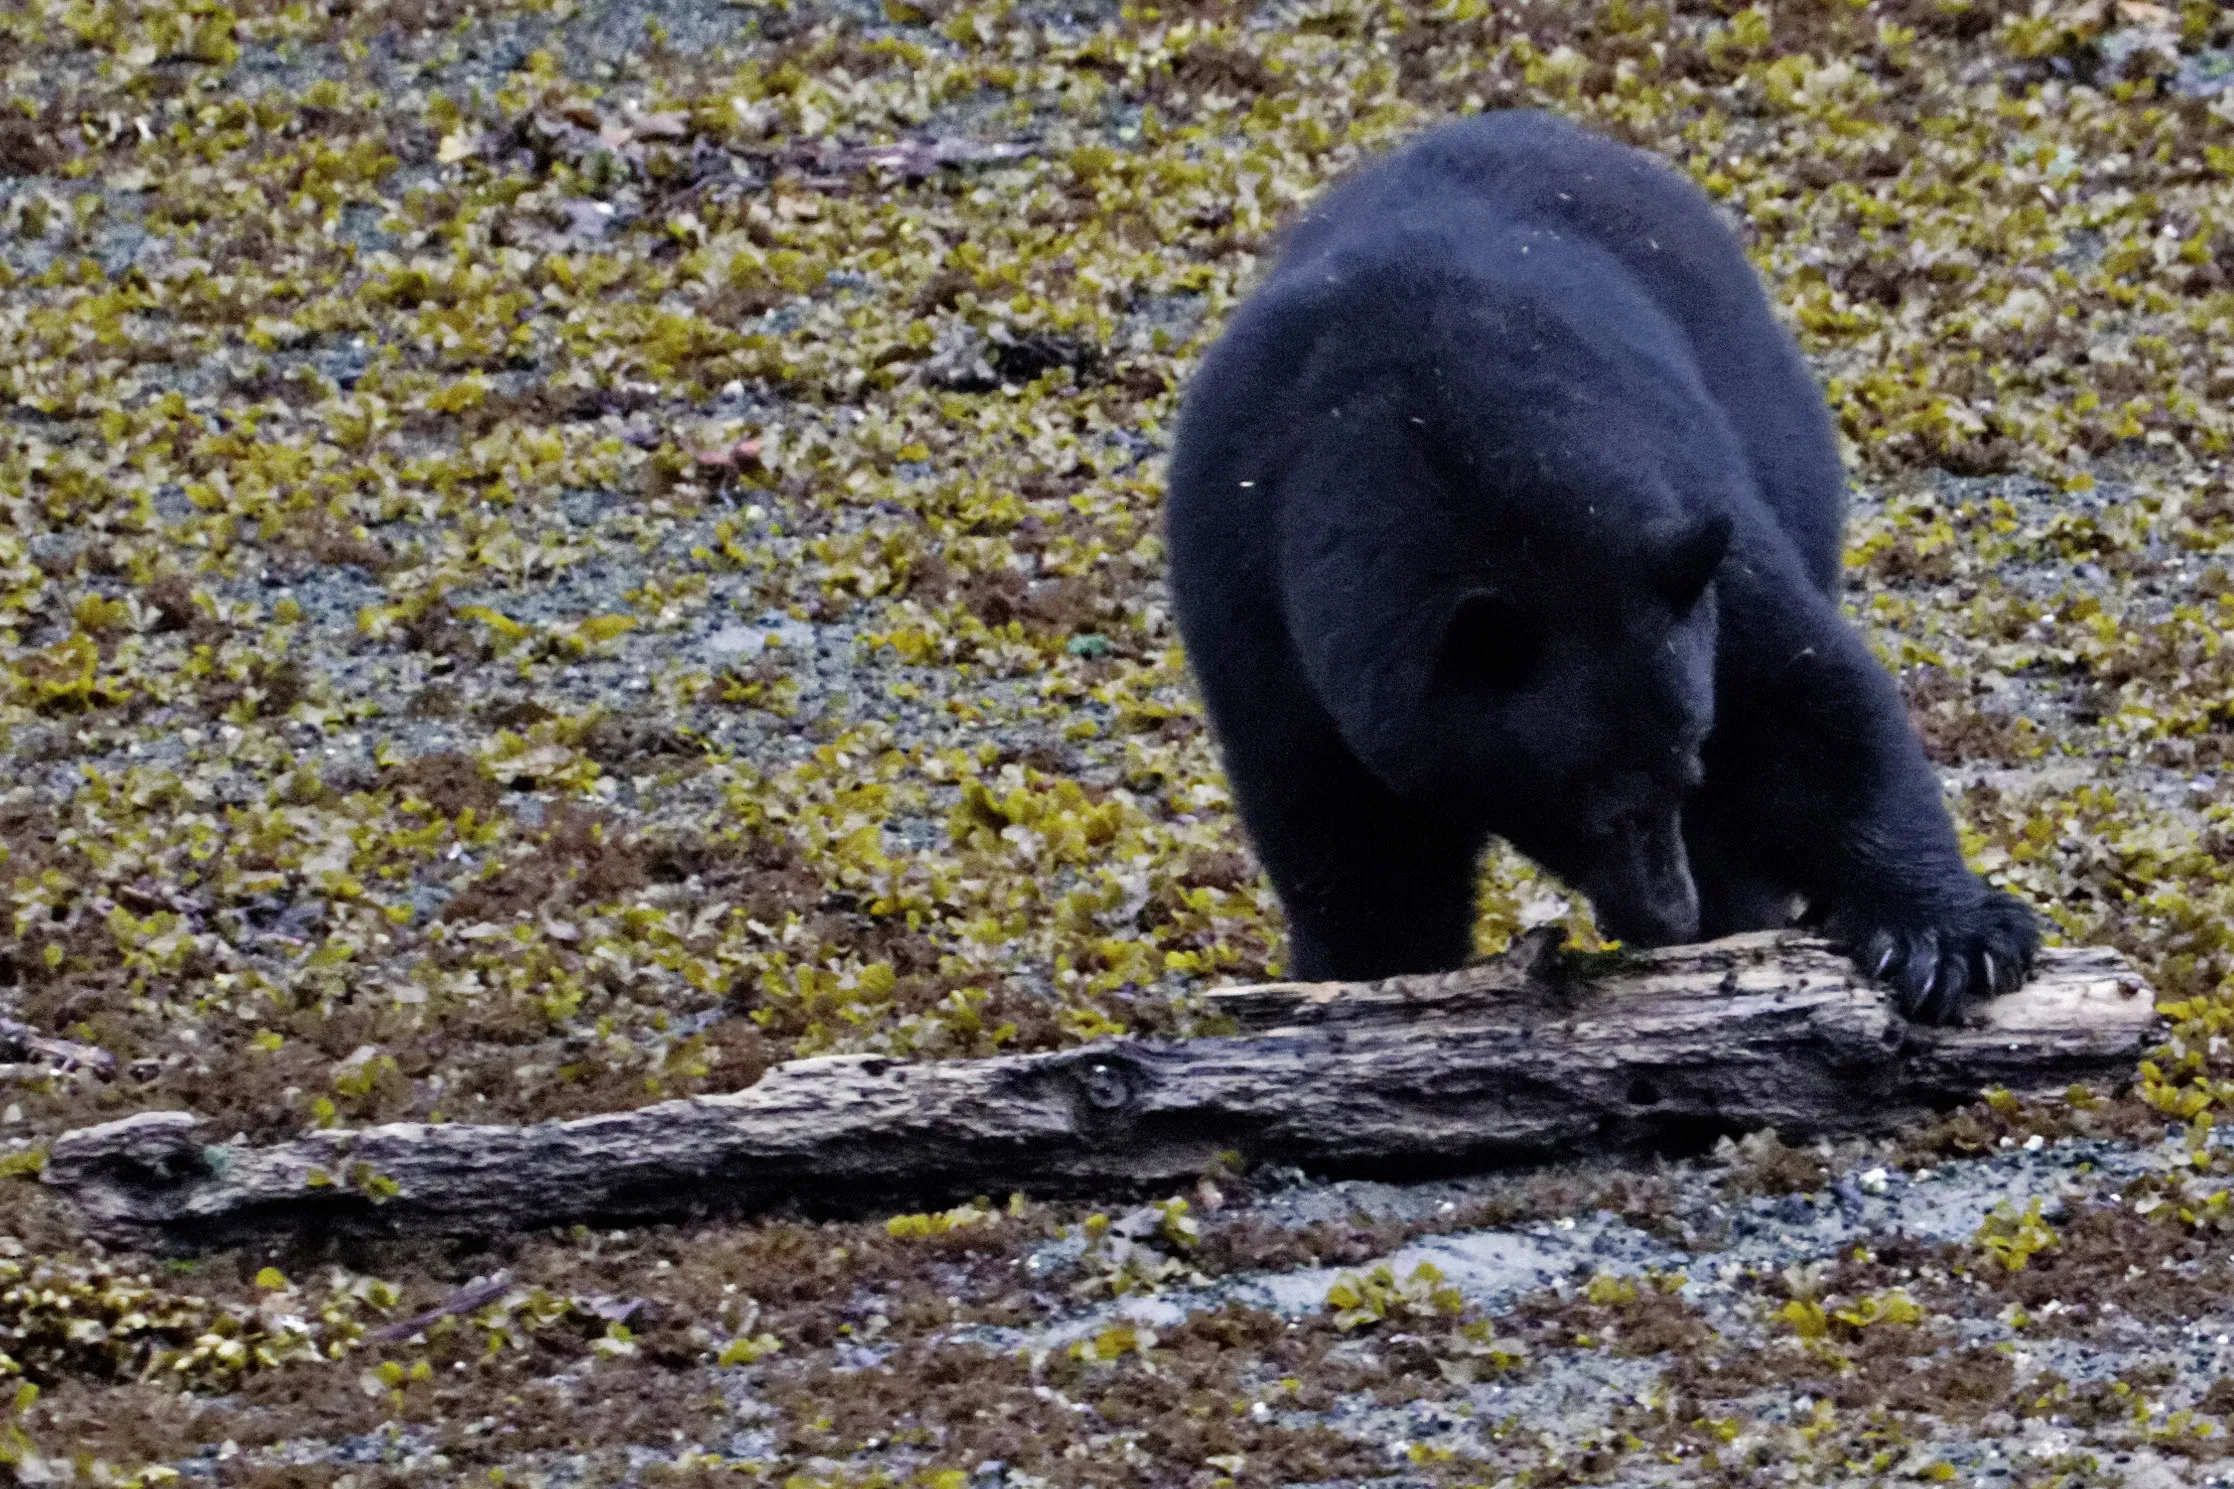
[478,1293]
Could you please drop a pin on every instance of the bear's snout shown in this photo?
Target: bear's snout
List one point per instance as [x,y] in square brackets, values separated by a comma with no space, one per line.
[1648,897]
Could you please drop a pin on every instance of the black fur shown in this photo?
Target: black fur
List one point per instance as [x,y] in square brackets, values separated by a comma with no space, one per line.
[1506,507]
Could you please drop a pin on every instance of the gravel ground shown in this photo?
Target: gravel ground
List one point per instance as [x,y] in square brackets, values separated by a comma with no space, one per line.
[558,554]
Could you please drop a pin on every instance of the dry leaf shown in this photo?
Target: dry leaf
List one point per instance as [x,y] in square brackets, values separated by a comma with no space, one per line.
[659,126]
[732,455]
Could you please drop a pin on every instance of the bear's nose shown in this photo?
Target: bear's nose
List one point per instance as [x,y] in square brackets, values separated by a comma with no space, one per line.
[1653,900]
[1676,921]
[1673,894]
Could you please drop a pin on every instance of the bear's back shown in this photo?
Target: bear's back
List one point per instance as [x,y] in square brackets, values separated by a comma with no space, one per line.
[1528,169]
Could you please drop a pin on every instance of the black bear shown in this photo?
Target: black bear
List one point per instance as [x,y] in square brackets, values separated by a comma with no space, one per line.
[1505,507]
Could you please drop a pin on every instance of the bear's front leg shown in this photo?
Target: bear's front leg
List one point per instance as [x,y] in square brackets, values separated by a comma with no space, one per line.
[1372,887]
[1817,782]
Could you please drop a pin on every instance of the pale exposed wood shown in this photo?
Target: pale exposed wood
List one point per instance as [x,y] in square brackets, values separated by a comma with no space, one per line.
[1537,1056]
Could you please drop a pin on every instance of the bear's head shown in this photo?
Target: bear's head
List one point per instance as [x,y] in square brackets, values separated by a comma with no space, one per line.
[1570,702]
[1498,534]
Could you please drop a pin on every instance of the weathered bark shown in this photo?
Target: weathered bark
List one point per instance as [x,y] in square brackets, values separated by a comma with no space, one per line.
[1533,1057]
[27,1049]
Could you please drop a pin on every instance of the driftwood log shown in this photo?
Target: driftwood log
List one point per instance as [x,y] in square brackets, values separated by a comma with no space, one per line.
[1538,1055]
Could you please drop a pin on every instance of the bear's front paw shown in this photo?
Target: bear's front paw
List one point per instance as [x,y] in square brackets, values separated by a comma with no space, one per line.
[1935,967]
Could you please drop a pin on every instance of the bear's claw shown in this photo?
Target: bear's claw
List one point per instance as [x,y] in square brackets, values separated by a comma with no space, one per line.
[1935,969]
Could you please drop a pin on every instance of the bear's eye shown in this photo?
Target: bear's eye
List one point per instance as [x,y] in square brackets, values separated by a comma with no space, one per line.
[1489,645]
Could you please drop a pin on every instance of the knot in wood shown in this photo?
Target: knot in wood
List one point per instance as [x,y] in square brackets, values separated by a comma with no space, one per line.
[1105,1085]
[151,1152]
[1100,1086]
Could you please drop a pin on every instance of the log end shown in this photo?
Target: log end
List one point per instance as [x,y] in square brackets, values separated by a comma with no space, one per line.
[136,1171]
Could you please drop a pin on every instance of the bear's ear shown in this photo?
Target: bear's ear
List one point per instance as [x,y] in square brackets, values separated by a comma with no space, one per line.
[1489,645]
[1684,555]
